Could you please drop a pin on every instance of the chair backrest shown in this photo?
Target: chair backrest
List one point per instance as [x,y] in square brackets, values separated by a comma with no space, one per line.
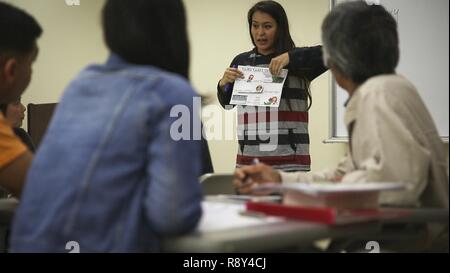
[214,184]
[38,118]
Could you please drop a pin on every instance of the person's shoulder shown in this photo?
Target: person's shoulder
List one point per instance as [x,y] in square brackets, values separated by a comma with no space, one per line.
[387,83]
[390,88]
[246,54]
[146,77]
[11,145]
[311,47]
[175,81]
[19,131]
[241,57]
[25,138]
[174,88]
[310,50]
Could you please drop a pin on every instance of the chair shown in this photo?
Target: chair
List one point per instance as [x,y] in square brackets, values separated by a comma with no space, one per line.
[7,209]
[38,118]
[214,184]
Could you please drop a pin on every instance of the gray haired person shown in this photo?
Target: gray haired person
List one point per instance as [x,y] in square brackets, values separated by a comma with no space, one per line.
[392,135]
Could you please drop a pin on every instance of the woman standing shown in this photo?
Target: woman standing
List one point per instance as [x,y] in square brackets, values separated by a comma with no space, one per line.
[274,48]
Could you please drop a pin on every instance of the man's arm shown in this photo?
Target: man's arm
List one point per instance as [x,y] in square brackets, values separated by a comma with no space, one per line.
[344,166]
[247,177]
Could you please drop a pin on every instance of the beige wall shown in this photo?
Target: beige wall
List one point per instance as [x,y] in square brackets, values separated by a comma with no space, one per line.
[71,40]
[218,31]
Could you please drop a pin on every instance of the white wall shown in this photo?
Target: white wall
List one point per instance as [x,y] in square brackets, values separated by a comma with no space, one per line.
[218,31]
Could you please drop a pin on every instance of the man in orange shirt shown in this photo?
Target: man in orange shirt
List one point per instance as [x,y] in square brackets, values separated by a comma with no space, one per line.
[18,50]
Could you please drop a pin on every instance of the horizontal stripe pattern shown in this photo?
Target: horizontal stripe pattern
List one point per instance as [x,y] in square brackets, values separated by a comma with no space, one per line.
[304,160]
[270,129]
[290,116]
[287,167]
[289,126]
[293,105]
[282,150]
[293,168]
[281,139]
[298,127]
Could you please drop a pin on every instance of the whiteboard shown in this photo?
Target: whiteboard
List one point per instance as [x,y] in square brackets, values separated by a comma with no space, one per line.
[423,28]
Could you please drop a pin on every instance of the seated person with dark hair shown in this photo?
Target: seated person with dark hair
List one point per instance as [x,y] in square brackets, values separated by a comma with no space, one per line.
[14,114]
[18,50]
[109,175]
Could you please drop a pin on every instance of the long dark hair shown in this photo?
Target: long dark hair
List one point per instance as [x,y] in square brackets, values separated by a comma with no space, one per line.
[283,39]
[148,32]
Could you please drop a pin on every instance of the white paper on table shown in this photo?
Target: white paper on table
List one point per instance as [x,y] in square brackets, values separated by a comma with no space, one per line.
[246,198]
[323,188]
[258,87]
[220,216]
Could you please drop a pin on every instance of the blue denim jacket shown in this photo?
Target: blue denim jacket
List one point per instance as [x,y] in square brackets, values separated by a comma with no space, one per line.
[107,174]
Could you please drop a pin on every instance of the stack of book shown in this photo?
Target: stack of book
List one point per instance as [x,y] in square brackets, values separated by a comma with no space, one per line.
[329,203]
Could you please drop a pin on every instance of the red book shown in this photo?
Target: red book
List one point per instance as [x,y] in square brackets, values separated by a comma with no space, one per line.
[330,216]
